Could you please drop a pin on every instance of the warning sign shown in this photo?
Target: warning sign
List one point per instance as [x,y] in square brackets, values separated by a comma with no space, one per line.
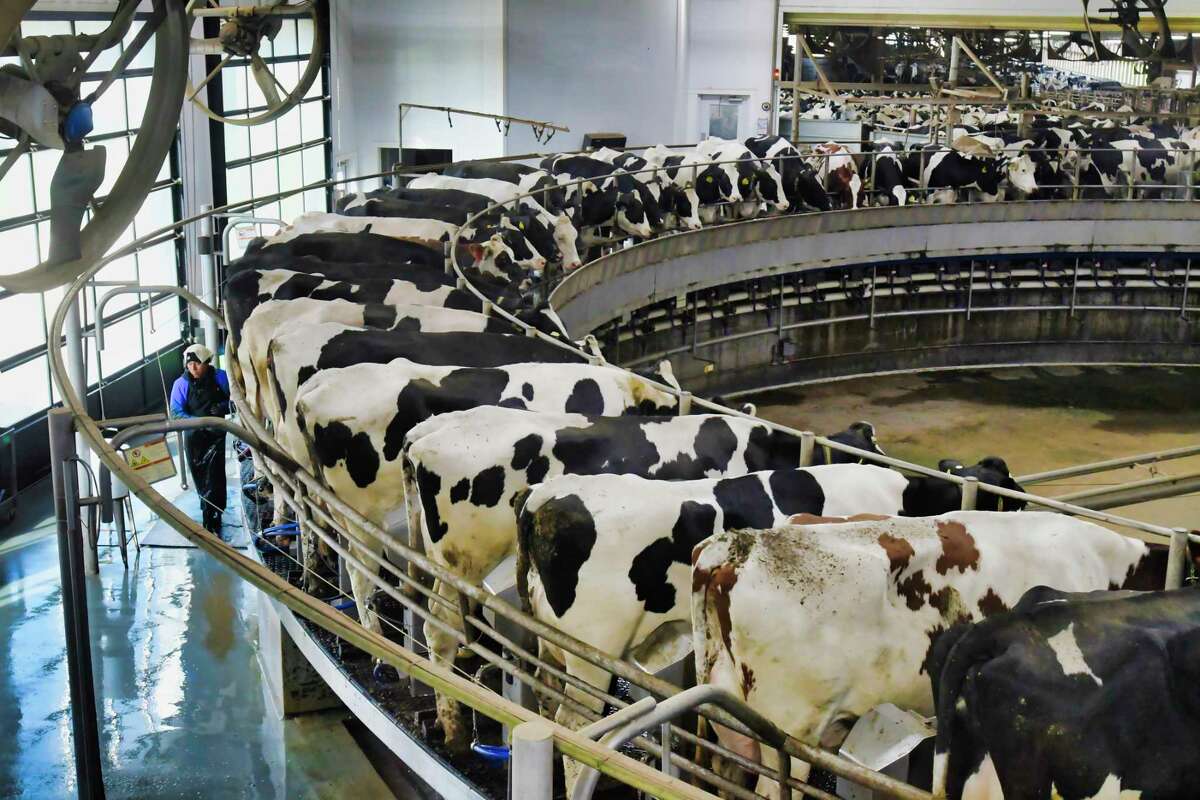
[151,460]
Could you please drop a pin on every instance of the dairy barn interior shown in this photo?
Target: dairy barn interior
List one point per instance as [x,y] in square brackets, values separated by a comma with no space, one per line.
[493,399]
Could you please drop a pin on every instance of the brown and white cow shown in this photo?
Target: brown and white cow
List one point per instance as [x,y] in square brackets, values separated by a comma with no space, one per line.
[837,172]
[859,603]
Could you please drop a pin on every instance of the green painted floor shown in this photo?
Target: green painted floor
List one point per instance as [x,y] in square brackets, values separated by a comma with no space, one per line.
[180,695]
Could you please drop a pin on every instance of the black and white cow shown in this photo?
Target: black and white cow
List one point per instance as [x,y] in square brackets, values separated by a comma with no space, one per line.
[753,181]
[1150,163]
[355,436]
[274,317]
[610,197]
[361,247]
[622,543]
[885,172]
[563,231]
[376,282]
[970,165]
[609,555]
[528,179]
[296,354]
[1071,695]
[675,207]
[369,282]
[497,248]
[799,178]
[928,494]
[464,471]
[524,233]
[860,435]
[701,182]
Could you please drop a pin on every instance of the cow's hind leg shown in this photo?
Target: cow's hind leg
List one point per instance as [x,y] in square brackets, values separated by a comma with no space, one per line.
[770,788]
[570,716]
[740,744]
[552,655]
[443,647]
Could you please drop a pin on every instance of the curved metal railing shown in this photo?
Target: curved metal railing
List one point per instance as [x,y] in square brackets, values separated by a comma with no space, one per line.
[322,512]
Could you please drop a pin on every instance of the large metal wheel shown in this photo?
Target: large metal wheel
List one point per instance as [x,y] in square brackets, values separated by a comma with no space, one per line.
[1145,32]
[242,34]
[57,62]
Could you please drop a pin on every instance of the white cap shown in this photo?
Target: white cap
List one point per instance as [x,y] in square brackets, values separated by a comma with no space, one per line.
[197,352]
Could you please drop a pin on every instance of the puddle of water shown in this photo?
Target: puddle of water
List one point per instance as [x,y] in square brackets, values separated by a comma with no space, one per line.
[219,614]
[1036,419]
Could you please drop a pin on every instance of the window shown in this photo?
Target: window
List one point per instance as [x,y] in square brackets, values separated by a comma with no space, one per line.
[250,163]
[25,385]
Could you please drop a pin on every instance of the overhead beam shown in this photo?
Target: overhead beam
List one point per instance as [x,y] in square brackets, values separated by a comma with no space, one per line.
[1181,24]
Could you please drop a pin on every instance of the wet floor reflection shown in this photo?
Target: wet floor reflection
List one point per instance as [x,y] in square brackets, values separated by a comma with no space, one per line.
[183,708]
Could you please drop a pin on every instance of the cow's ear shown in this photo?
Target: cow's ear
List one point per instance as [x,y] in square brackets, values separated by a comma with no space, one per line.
[476,251]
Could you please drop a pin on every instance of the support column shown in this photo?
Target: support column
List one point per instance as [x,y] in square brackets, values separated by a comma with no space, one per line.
[77,372]
[294,686]
[84,727]
[208,282]
[531,770]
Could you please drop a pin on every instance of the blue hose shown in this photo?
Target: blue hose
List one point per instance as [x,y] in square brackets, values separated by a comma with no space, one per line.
[286,529]
[492,752]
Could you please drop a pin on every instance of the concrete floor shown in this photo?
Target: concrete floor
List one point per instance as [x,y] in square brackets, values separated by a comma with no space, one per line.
[181,698]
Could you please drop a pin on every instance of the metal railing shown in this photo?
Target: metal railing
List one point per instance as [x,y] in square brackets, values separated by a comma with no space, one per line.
[324,514]
[964,283]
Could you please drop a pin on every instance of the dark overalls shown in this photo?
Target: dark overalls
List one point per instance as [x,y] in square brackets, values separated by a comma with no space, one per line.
[206,396]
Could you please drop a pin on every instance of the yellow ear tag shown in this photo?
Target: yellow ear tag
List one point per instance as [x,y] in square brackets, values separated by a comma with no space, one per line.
[708,178]
[521,225]
[745,181]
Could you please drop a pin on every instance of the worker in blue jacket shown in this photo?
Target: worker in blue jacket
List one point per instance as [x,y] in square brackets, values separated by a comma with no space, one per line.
[203,391]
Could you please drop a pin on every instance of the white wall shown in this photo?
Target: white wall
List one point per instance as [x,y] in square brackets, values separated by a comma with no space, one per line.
[611,66]
[730,52]
[593,66]
[445,53]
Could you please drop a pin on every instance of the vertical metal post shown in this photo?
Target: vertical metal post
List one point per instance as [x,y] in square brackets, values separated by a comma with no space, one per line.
[119,521]
[1187,276]
[208,281]
[84,727]
[77,372]
[1190,173]
[782,286]
[1177,558]
[871,314]
[1078,168]
[181,443]
[1074,285]
[952,79]
[664,738]
[448,258]
[921,175]
[531,770]
[685,403]
[970,492]
[808,441]
[970,287]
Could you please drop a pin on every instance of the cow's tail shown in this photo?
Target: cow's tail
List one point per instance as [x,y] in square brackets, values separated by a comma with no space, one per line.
[525,533]
[951,660]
